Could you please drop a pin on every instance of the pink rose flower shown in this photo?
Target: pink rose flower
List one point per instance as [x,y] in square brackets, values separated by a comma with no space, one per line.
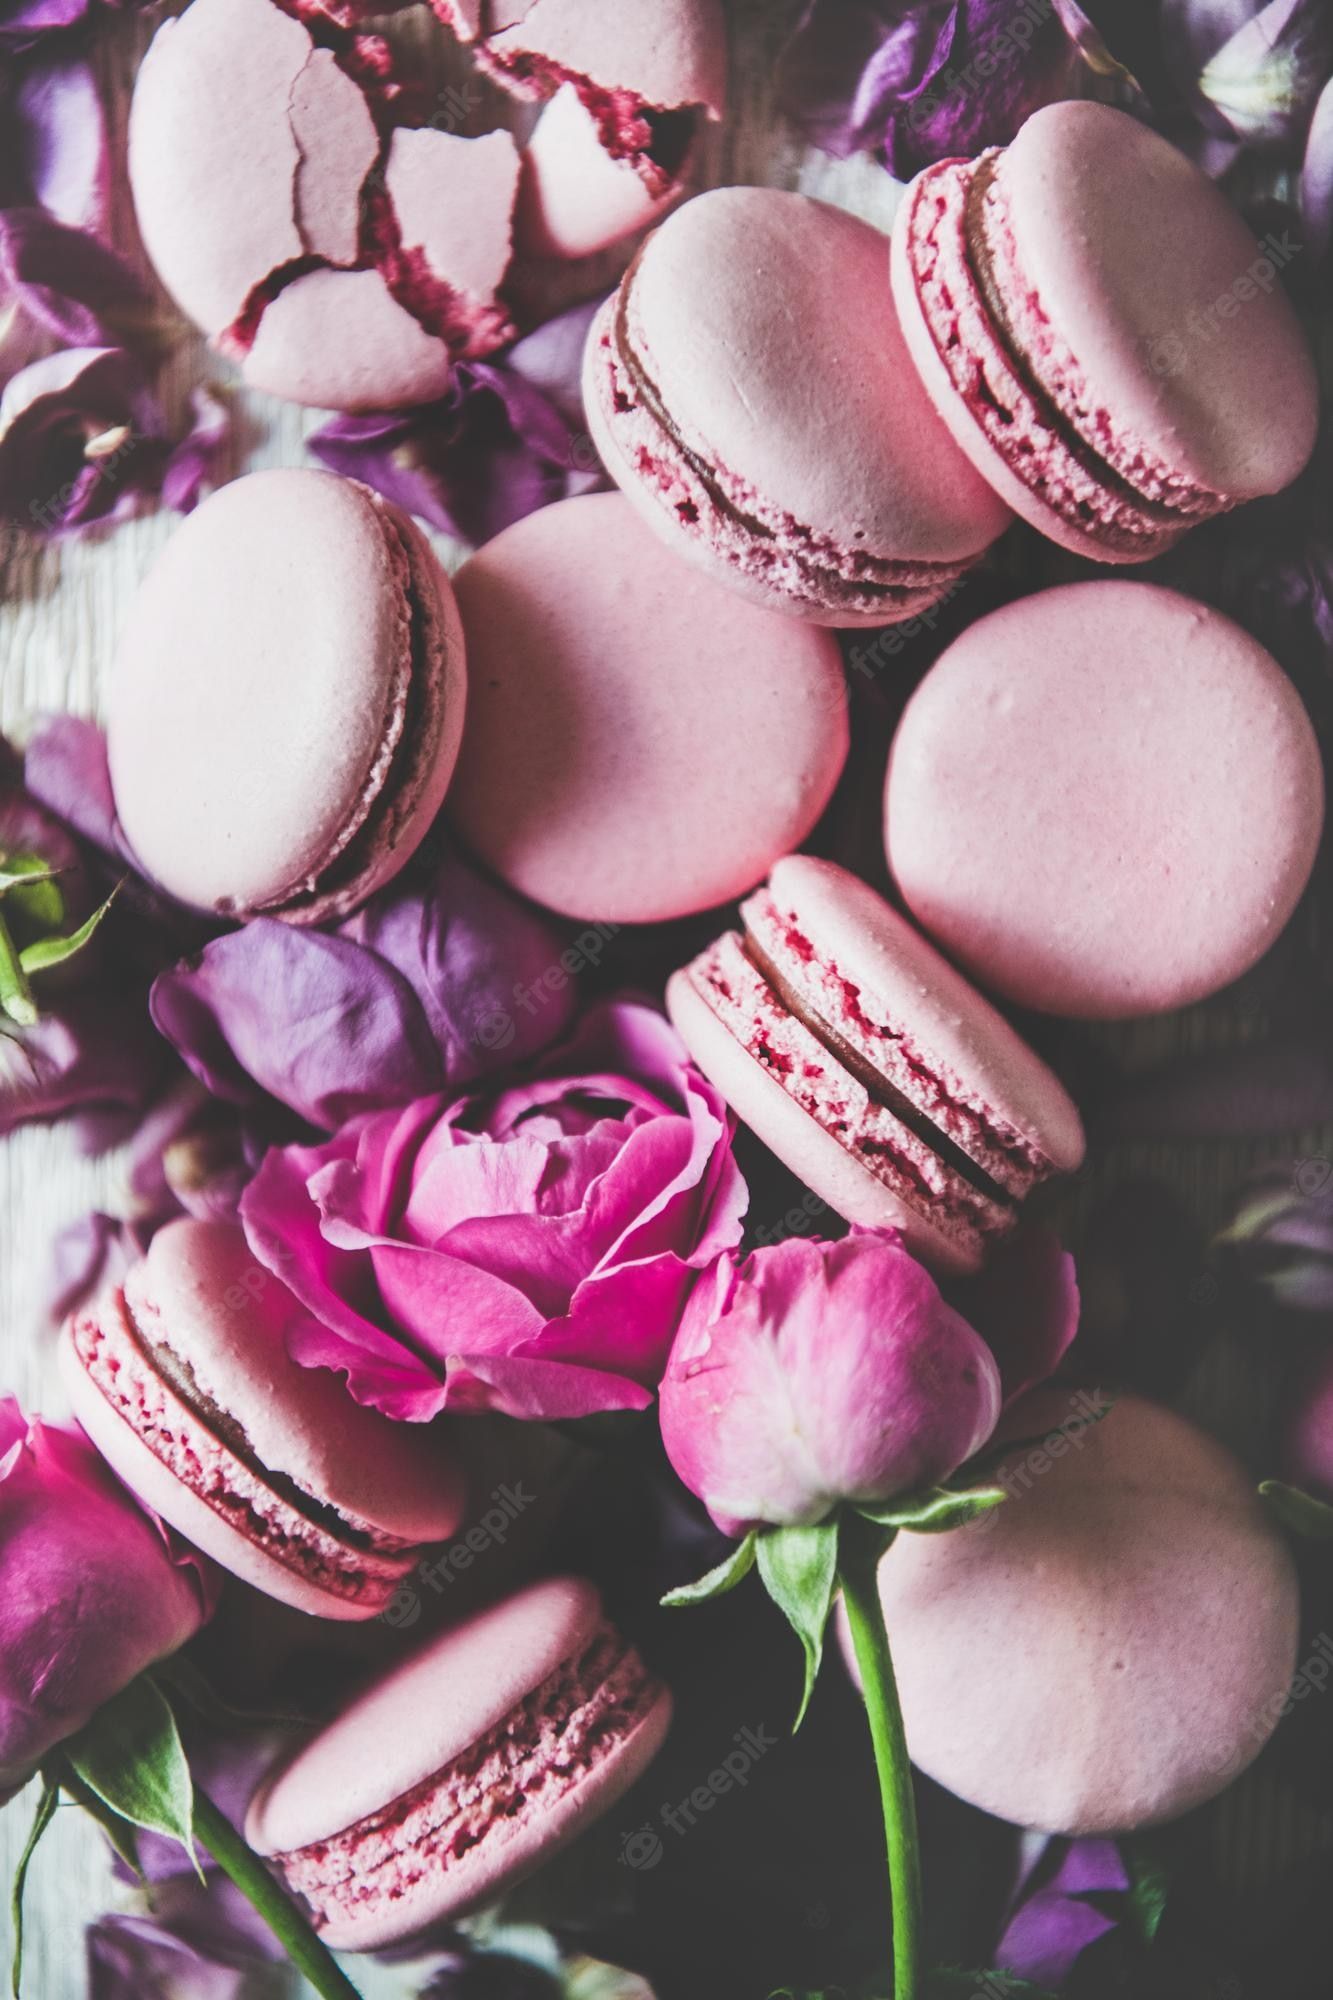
[528,1251]
[821,1372]
[91,1590]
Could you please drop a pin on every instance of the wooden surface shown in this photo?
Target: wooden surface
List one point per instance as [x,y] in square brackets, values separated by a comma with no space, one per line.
[60,610]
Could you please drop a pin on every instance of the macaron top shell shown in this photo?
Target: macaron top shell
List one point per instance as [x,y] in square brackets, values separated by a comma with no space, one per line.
[423,1715]
[266,683]
[640,743]
[766,325]
[201,1300]
[955,1031]
[1112,1645]
[1175,318]
[1104,800]
[668,56]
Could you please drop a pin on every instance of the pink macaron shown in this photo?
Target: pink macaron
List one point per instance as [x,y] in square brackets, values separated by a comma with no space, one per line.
[463,1770]
[750,389]
[1114,1644]
[287,702]
[1104,800]
[640,744]
[871,1067]
[1102,334]
[338,256]
[182,1380]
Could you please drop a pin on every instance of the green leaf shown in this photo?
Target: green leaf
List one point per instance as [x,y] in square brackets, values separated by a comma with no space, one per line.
[1149,1885]
[34,891]
[799,1568]
[935,1509]
[15,989]
[46,1812]
[47,952]
[131,1757]
[718,1581]
[1300,1513]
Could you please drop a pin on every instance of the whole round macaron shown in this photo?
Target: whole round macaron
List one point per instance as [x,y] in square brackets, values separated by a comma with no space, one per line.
[1102,334]
[871,1068]
[1111,1646]
[465,1769]
[182,1379]
[639,743]
[287,703]
[750,389]
[1104,800]
[339,257]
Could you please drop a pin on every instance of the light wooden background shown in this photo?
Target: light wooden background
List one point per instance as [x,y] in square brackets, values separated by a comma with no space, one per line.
[60,610]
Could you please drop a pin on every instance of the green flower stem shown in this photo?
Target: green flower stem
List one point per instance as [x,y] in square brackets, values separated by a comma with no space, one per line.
[865,1617]
[281,1915]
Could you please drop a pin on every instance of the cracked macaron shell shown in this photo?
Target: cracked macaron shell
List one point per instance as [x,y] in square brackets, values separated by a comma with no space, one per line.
[1146,310]
[456,1690]
[287,702]
[251,152]
[760,331]
[668,54]
[611,689]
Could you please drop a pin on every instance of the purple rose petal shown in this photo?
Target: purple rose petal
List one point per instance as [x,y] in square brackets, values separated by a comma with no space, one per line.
[1050,1927]
[55,140]
[495,449]
[1317,177]
[81,441]
[23,22]
[71,286]
[1252,69]
[89,1050]
[925,80]
[198,462]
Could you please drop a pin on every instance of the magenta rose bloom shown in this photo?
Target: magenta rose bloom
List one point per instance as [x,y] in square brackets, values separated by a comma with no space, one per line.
[821,1372]
[91,1590]
[528,1251]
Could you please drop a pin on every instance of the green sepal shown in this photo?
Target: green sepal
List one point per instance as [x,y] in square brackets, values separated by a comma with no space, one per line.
[1300,1513]
[46,1812]
[34,891]
[952,1983]
[16,997]
[118,1831]
[131,1757]
[934,1510]
[1149,1885]
[718,1581]
[799,1569]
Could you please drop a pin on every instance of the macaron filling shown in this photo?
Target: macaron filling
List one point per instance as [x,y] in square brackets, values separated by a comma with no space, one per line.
[409,743]
[718,507]
[468,326]
[549,1744]
[1021,384]
[839,1054]
[126,1357]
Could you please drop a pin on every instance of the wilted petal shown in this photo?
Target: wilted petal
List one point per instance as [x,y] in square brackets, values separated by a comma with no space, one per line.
[57,140]
[1263,81]
[81,441]
[1280,1233]
[72,286]
[493,450]
[89,1050]
[24,22]
[1317,177]
[1051,1926]
[198,460]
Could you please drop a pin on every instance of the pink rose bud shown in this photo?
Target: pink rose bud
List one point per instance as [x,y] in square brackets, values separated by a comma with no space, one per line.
[820,1372]
[91,1592]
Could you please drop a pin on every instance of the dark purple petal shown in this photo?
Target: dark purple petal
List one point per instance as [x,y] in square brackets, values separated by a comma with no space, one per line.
[551,359]
[144,1958]
[925,80]
[490,971]
[81,441]
[65,768]
[493,450]
[1252,69]
[23,22]
[92,1049]
[72,286]
[328,1029]
[1050,1927]
[95,1251]
[57,140]
[199,461]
